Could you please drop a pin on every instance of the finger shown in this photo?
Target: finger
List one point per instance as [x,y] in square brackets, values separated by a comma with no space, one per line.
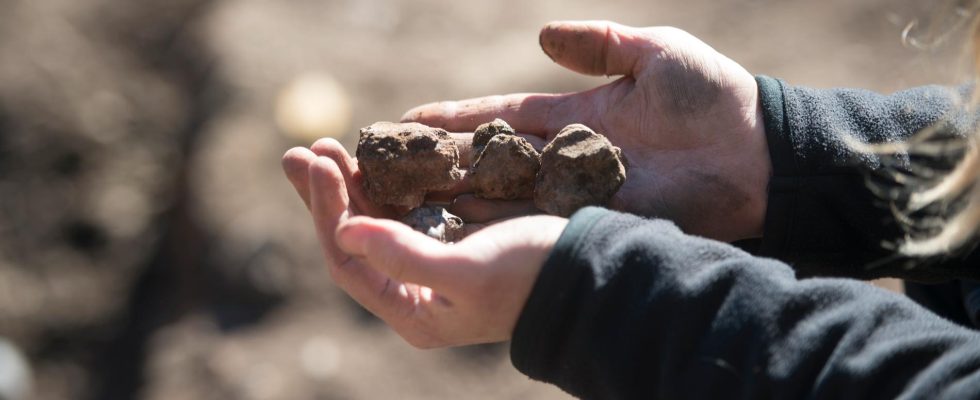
[469,229]
[535,113]
[473,209]
[383,296]
[328,203]
[596,47]
[399,252]
[464,185]
[464,143]
[329,147]
[296,164]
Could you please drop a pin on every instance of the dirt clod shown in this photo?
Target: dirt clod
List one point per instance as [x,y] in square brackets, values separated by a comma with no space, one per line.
[485,132]
[403,162]
[505,169]
[435,222]
[578,168]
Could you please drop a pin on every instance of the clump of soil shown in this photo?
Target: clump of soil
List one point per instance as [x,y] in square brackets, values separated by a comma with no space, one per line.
[487,131]
[435,222]
[401,163]
[578,168]
[506,164]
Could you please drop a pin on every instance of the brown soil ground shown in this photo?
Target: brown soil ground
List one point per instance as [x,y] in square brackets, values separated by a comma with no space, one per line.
[149,244]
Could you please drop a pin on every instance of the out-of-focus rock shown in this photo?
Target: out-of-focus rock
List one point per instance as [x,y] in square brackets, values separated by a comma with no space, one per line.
[193,359]
[435,222]
[505,168]
[401,163]
[578,168]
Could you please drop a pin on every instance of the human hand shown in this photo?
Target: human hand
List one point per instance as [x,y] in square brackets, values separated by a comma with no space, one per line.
[687,117]
[471,292]
[432,294]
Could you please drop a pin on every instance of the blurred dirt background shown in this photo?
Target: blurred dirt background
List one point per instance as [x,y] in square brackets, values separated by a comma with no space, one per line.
[149,245]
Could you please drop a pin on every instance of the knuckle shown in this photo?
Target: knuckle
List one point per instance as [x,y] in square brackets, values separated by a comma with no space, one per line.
[335,267]
[485,286]
[395,261]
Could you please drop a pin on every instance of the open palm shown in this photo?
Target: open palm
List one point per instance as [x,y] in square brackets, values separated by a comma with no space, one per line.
[687,117]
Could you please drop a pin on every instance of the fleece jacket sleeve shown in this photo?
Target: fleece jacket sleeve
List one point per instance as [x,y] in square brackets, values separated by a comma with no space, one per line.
[821,217]
[628,308]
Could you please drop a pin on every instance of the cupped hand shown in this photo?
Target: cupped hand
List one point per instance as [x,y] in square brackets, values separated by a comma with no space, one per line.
[432,294]
[464,293]
[687,117]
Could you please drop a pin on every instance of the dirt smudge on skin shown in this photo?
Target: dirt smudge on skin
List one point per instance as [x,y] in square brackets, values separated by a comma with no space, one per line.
[736,199]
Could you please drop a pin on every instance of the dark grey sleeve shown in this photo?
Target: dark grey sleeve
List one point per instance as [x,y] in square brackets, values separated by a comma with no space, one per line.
[822,218]
[627,308]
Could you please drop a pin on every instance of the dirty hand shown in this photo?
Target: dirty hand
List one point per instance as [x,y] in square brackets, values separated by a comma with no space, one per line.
[433,294]
[687,117]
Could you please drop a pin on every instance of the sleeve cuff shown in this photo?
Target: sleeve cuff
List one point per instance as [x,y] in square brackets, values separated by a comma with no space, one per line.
[782,185]
[532,348]
[777,126]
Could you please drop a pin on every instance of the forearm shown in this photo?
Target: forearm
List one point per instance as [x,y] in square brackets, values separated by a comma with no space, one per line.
[821,216]
[630,308]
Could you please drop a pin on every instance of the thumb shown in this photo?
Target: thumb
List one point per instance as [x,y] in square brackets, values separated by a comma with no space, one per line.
[396,250]
[595,47]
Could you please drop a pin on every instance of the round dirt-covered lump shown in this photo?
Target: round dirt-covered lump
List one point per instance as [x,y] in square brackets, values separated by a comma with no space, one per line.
[487,131]
[505,169]
[578,168]
[401,163]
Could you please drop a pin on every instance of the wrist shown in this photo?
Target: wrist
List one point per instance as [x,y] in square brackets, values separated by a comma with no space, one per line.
[745,163]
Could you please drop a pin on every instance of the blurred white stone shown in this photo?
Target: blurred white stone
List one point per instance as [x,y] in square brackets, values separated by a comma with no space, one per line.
[320,357]
[263,382]
[15,373]
[312,106]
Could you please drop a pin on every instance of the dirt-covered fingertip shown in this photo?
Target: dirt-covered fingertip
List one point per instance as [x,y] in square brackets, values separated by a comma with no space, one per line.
[432,114]
[591,47]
